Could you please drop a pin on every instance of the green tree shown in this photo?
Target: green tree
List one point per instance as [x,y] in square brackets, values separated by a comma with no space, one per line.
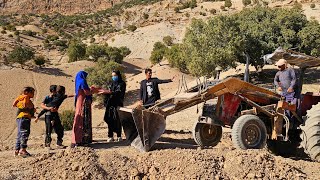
[125,51]
[39,61]
[212,44]
[114,54]
[20,55]
[100,74]
[76,50]
[158,52]
[246,2]
[96,51]
[176,58]
[310,39]
[167,40]
[227,3]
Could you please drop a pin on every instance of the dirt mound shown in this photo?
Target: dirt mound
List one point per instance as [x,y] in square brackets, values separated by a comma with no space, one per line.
[251,164]
[199,164]
[78,163]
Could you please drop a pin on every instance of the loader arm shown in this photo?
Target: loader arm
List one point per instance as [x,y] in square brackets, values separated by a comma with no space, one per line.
[143,127]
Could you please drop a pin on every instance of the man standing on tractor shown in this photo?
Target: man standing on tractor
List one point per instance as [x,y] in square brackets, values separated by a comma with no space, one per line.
[285,80]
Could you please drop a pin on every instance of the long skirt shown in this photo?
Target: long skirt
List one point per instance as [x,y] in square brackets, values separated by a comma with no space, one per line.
[87,122]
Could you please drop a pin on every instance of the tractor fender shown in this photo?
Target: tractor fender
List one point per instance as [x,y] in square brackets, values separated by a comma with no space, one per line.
[209,120]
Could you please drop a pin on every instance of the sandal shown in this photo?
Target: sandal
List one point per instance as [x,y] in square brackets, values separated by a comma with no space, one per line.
[24,153]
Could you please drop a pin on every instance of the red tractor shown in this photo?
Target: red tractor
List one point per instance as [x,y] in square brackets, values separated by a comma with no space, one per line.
[255,114]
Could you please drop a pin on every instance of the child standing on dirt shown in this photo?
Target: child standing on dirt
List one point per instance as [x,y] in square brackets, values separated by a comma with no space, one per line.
[50,106]
[25,112]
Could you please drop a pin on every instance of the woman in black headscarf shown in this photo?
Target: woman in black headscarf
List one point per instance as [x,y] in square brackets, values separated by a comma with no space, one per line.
[114,97]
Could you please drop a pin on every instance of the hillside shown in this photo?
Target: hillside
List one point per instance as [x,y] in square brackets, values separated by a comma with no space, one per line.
[175,155]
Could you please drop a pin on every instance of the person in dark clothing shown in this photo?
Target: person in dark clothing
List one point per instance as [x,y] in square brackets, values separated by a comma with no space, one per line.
[149,89]
[114,98]
[55,100]
[50,106]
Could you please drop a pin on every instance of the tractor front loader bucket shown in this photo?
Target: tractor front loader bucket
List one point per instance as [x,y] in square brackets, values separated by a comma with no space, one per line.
[142,127]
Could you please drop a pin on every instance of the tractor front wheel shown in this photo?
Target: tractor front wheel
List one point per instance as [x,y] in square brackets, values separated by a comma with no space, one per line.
[249,132]
[207,134]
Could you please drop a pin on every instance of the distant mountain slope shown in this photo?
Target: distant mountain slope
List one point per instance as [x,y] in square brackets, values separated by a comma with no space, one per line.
[50,6]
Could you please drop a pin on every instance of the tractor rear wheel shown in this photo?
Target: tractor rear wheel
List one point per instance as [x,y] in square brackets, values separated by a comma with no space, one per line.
[207,134]
[249,132]
[311,133]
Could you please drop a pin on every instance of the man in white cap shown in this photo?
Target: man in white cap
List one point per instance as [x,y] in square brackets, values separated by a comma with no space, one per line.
[285,80]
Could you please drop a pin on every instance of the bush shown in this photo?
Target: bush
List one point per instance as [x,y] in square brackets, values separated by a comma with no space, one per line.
[66,118]
[246,2]
[158,52]
[312,5]
[100,74]
[16,33]
[114,54]
[177,9]
[125,51]
[175,57]
[92,40]
[10,35]
[203,14]
[167,40]
[132,28]
[76,50]
[3,32]
[227,3]
[29,33]
[145,16]
[96,51]
[213,11]
[39,61]
[20,55]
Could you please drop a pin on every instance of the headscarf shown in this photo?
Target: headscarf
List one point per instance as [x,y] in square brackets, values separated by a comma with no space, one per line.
[118,73]
[81,83]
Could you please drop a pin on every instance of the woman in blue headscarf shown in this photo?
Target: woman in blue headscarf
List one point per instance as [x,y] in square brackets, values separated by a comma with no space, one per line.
[81,131]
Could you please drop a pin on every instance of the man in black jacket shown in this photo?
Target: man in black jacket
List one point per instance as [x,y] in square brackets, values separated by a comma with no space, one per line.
[149,89]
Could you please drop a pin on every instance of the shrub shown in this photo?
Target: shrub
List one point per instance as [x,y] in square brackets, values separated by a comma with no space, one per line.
[10,35]
[167,40]
[158,52]
[3,32]
[66,118]
[92,40]
[29,33]
[20,55]
[312,5]
[96,51]
[246,2]
[39,60]
[145,16]
[100,74]
[213,11]
[44,31]
[132,28]
[227,3]
[76,50]
[16,33]
[125,51]
[177,9]
[203,14]
[114,54]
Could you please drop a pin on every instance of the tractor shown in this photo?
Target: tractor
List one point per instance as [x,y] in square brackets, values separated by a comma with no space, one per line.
[258,117]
